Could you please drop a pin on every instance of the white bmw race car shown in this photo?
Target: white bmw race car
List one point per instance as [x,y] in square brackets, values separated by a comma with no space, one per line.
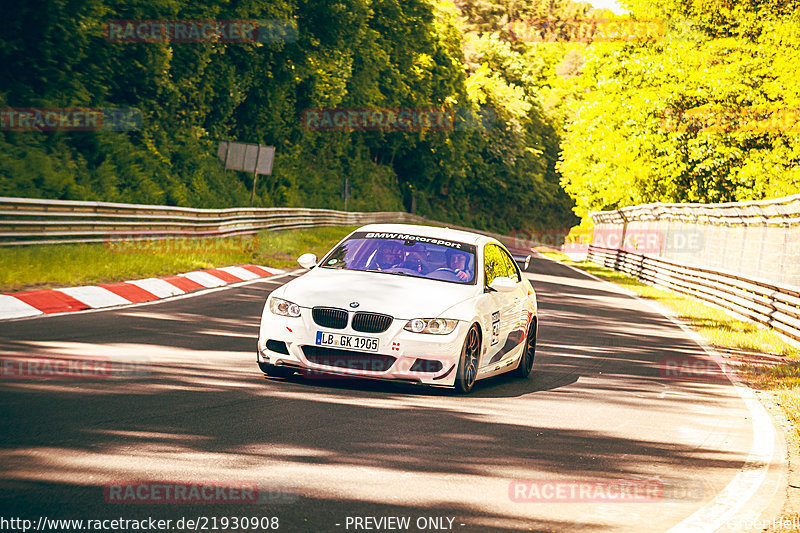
[419,304]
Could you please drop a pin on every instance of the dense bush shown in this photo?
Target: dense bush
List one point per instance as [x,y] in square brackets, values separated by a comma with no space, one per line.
[497,174]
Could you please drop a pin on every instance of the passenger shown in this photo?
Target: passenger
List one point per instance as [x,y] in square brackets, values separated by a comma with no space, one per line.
[388,255]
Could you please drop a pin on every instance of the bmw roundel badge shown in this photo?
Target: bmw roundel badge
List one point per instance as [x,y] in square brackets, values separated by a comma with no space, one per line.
[354,304]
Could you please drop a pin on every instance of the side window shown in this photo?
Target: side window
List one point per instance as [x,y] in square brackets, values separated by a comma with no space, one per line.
[511,266]
[494,263]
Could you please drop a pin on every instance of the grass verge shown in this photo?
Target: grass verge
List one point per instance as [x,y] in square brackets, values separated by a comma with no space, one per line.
[69,265]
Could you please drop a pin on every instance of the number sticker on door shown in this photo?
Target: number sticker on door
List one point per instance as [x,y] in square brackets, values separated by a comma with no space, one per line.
[495,327]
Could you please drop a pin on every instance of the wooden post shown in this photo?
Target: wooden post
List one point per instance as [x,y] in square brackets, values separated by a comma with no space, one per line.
[255,175]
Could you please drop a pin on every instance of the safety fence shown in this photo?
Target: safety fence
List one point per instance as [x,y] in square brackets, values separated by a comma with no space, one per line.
[759,239]
[771,304]
[25,221]
[743,257]
[34,221]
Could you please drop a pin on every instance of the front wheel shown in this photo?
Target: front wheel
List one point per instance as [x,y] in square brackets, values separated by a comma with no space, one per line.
[526,361]
[468,364]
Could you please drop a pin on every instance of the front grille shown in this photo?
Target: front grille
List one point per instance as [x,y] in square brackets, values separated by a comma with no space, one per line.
[348,359]
[330,317]
[371,322]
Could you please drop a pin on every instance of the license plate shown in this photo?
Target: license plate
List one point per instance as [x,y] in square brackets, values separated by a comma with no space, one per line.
[350,342]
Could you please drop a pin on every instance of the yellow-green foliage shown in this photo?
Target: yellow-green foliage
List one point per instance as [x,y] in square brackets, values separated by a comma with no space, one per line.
[705,113]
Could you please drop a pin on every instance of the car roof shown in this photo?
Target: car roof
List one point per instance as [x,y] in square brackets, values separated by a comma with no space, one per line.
[429,231]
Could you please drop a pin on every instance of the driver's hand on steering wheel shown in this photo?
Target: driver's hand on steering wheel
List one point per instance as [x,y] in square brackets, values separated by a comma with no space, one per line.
[461,274]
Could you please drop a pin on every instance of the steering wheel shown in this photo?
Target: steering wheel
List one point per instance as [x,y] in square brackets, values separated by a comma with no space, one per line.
[449,274]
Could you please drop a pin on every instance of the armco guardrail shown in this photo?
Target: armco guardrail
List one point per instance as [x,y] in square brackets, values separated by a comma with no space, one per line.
[741,256]
[778,211]
[34,221]
[771,304]
[757,239]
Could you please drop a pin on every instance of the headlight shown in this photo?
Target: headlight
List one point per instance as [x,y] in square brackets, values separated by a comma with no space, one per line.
[434,326]
[283,307]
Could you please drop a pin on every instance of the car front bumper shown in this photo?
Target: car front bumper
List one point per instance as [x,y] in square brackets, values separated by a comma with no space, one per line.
[401,355]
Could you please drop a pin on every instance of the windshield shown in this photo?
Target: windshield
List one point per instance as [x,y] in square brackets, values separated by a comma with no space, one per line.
[407,255]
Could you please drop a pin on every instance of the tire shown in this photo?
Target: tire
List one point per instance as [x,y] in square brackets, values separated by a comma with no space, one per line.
[525,365]
[468,363]
[275,371]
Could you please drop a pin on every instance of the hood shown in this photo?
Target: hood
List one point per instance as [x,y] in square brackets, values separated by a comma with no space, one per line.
[399,296]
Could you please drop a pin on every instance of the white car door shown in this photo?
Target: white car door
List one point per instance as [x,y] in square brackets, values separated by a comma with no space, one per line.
[503,308]
[517,314]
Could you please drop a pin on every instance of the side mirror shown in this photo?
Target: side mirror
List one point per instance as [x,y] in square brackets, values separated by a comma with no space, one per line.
[307,261]
[502,284]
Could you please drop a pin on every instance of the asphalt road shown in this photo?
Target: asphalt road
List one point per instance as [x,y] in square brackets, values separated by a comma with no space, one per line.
[184,403]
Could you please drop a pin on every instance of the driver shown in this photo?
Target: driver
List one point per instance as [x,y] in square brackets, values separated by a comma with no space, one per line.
[389,255]
[457,262]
